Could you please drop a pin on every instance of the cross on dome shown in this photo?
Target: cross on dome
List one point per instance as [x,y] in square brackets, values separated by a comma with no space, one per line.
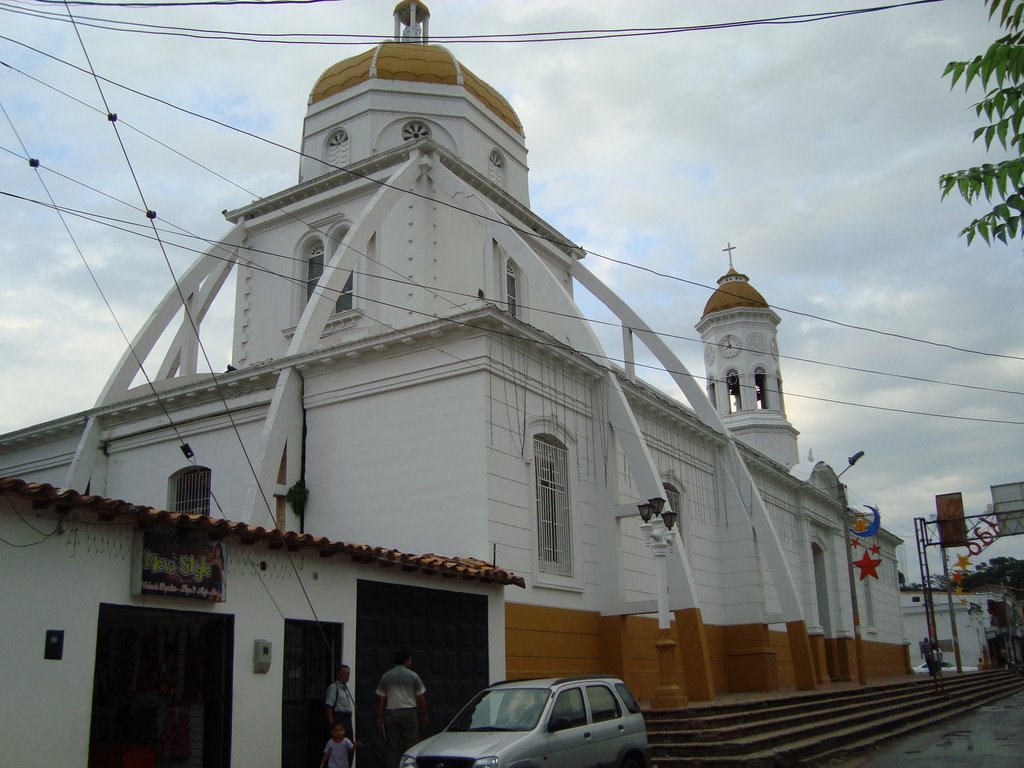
[729,248]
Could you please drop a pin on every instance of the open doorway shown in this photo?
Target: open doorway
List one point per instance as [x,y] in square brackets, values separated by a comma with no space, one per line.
[161,689]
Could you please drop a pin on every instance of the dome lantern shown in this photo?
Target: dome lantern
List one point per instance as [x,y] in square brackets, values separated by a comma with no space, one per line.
[412,22]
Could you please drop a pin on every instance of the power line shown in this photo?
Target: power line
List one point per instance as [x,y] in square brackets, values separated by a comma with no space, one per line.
[608,358]
[151,216]
[350,39]
[527,232]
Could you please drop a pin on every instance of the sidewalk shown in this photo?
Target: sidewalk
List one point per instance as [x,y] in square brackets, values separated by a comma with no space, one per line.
[988,737]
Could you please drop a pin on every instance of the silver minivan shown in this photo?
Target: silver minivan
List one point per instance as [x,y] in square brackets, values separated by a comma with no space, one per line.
[572,722]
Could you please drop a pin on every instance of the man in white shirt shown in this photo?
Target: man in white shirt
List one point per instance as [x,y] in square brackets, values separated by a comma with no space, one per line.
[339,703]
[400,698]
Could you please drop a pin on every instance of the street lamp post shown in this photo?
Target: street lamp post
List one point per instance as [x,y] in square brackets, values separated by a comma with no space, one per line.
[858,641]
[657,525]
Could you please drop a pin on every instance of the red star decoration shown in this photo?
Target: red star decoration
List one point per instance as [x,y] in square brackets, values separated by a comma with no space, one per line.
[957,576]
[868,566]
[875,549]
[854,543]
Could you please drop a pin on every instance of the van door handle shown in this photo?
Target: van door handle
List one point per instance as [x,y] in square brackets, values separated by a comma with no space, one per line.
[586,734]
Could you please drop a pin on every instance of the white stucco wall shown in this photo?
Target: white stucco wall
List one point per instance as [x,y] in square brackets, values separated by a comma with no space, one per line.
[57,578]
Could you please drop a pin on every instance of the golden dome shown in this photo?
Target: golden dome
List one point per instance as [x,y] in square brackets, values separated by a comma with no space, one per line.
[734,292]
[414,63]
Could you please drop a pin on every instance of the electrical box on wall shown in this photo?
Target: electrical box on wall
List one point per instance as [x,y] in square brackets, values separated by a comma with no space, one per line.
[261,656]
[54,647]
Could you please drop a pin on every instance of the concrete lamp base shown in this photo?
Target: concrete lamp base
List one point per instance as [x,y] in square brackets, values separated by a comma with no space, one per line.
[668,694]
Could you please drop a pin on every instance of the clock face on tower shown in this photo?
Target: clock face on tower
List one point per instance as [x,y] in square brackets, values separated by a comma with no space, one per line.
[730,346]
[709,354]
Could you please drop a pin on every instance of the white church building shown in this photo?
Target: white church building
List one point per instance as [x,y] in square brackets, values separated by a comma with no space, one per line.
[410,371]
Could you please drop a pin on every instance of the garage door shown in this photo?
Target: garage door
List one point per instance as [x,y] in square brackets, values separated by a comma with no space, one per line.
[447,635]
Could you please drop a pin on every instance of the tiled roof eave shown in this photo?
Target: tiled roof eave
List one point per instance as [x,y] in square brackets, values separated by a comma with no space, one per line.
[66,500]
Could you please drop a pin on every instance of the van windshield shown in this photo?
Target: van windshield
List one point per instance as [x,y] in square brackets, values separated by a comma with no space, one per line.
[502,709]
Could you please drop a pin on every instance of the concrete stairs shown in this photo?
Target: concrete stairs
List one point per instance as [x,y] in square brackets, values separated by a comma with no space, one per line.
[816,727]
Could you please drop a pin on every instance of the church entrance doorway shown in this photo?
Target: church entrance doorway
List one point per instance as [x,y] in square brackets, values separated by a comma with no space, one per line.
[161,688]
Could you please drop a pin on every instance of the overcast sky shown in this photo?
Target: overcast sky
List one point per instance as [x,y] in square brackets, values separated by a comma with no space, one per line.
[814,148]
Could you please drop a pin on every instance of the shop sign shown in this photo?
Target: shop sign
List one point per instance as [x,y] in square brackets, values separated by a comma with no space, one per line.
[174,566]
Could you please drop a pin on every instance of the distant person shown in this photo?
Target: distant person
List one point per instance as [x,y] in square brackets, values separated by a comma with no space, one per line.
[339,704]
[401,708]
[339,749]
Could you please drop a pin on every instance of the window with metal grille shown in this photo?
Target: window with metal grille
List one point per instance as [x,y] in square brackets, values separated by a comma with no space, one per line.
[190,491]
[554,544]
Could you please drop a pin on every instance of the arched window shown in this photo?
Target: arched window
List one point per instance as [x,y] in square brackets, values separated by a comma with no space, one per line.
[338,150]
[314,266]
[415,129]
[675,499]
[760,388]
[732,384]
[496,168]
[554,510]
[712,393]
[315,270]
[189,491]
[512,288]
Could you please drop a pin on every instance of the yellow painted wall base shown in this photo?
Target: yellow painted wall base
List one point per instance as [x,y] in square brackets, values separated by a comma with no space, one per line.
[557,642]
[820,659]
[696,659]
[750,660]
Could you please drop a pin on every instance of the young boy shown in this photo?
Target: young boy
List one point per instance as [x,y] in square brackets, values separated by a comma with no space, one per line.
[338,752]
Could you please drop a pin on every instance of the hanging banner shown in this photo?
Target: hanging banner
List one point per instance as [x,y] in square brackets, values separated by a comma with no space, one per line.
[173,566]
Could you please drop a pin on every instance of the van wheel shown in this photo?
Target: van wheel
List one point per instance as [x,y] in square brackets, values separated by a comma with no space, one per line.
[632,762]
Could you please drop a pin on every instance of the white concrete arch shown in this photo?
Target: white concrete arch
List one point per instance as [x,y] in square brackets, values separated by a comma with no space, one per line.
[547,291]
[736,473]
[199,284]
[286,405]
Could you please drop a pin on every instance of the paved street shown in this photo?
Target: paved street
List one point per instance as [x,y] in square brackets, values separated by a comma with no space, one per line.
[991,736]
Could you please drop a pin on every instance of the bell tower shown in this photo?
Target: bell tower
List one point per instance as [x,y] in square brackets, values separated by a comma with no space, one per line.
[741,359]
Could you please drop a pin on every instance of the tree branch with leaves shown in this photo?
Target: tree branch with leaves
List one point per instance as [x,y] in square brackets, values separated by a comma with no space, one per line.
[1000,70]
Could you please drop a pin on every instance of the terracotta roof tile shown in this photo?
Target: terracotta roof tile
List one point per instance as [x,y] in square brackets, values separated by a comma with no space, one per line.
[462,567]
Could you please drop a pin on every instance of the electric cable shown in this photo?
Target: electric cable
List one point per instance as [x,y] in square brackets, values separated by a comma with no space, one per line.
[325,38]
[561,242]
[609,358]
